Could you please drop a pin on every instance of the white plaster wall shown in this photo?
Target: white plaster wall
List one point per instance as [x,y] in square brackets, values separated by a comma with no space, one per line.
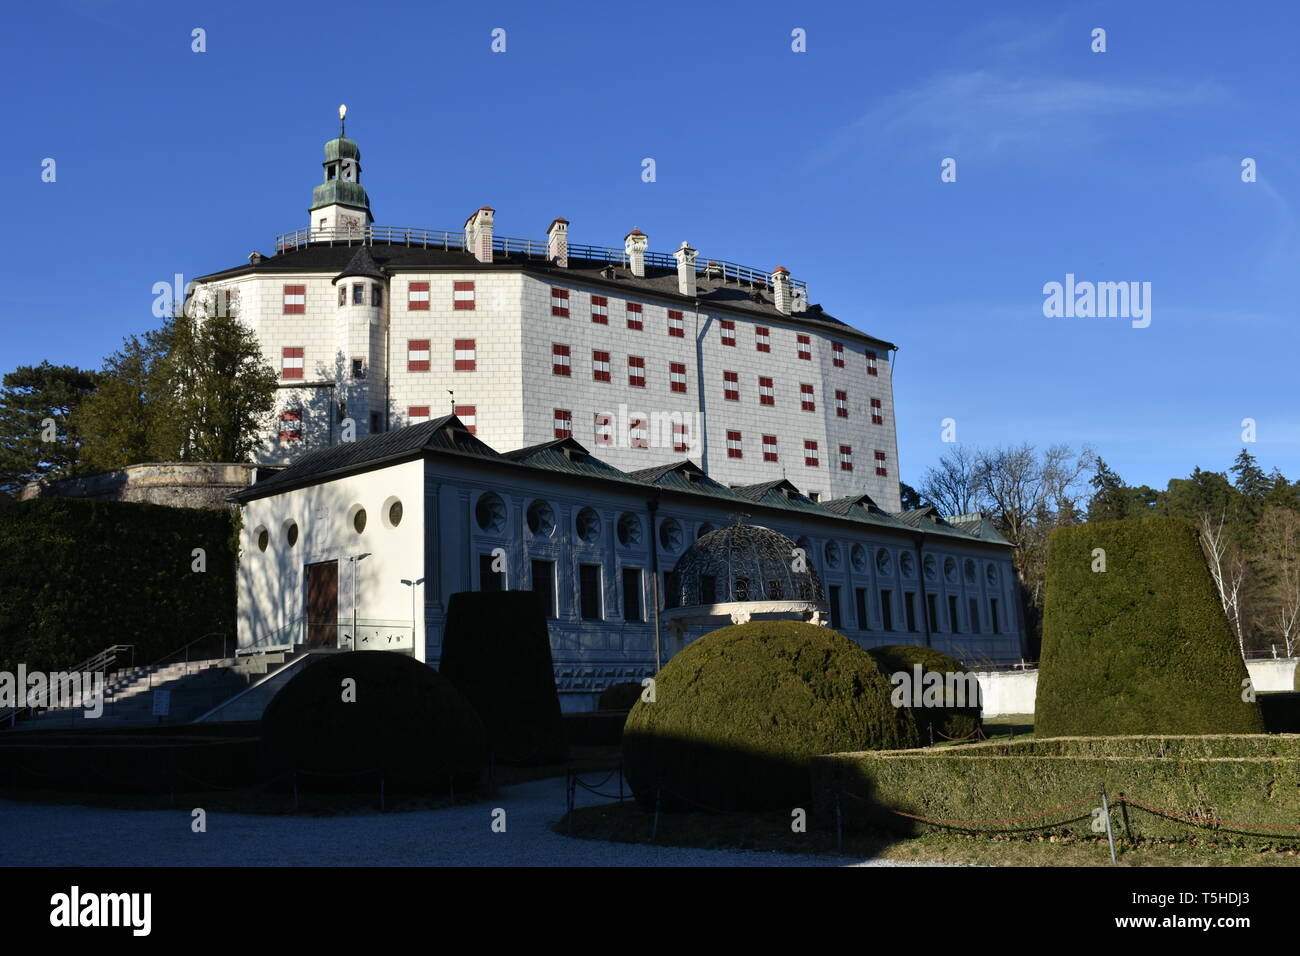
[1274,675]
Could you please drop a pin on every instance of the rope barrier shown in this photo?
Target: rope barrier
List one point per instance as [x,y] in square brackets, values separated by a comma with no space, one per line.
[977,823]
[1204,821]
[957,739]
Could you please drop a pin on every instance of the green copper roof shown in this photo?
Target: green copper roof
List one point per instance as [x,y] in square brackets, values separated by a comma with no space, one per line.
[342,148]
[341,191]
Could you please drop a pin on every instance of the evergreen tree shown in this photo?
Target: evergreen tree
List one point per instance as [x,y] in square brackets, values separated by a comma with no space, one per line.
[38,438]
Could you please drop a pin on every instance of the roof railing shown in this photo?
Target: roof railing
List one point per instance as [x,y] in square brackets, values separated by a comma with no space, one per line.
[531,248]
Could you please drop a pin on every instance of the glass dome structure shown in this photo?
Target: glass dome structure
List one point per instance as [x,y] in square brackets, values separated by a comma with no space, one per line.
[742,563]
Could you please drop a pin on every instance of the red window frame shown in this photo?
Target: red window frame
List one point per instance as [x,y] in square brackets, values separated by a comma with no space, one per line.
[417,345]
[295,308]
[766,397]
[769,448]
[465,364]
[871,363]
[562,420]
[564,368]
[837,354]
[731,386]
[881,470]
[458,301]
[291,434]
[738,451]
[728,332]
[413,304]
[841,403]
[467,411]
[598,358]
[604,440]
[635,319]
[681,436]
[810,455]
[675,327]
[638,433]
[846,458]
[293,351]
[417,411]
[807,397]
[677,369]
[804,345]
[877,413]
[762,338]
[600,302]
[559,296]
[635,365]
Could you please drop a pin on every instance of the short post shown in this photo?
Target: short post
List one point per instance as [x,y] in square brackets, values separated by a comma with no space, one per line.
[839,824]
[620,781]
[654,830]
[568,798]
[1110,836]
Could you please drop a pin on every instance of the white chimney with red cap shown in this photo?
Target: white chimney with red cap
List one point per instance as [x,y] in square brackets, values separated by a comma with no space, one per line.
[634,246]
[781,296]
[557,242]
[478,234]
[685,257]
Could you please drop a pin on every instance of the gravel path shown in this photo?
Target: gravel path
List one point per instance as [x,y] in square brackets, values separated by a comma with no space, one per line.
[39,834]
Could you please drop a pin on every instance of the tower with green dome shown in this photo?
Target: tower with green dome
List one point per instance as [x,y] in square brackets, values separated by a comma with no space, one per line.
[339,205]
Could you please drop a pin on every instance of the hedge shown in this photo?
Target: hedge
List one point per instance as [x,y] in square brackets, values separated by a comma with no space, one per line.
[621,696]
[406,723]
[496,650]
[1142,647]
[739,712]
[1235,779]
[77,576]
[950,721]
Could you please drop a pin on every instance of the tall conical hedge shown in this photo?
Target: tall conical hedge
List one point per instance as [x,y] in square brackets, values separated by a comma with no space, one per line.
[739,713]
[1142,647]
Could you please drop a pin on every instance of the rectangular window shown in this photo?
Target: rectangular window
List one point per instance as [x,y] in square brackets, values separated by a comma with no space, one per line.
[805,348]
[837,354]
[636,371]
[886,611]
[675,328]
[488,579]
[416,414]
[417,297]
[833,596]
[462,296]
[846,458]
[810,453]
[681,436]
[806,398]
[769,448]
[633,599]
[953,626]
[993,616]
[881,470]
[731,386]
[638,433]
[860,603]
[600,310]
[841,404]
[604,429]
[728,331]
[417,355]
[589,592]
[877,413]
[677,376]
[295,300]
[762,339]
[560,360]
[358,293]
[291,425]
[376,423]
[563,419]
[871,363]
[560,302]
[358,368]
[544,584]
[909,609]
[733,445]
[376,295]
[932,612]
[766,392]
[291,363]
[468,416]
[600,366]
[634,317]
[974,620]
[343,295]
[466,355]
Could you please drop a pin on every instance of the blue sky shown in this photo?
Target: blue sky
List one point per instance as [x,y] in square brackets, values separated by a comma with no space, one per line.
[1115,166]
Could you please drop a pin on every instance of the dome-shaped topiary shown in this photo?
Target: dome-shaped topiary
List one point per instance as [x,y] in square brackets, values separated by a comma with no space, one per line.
[738,714]
[620,696]
[405,721]
[957,715]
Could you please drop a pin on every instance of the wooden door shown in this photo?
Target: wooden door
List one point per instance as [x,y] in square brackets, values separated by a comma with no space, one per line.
[323,604]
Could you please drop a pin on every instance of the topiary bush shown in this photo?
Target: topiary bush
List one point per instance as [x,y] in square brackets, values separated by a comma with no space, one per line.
[947,720]
[620,696]
[407,722]
[739,713]
[1142,647]
[496,650]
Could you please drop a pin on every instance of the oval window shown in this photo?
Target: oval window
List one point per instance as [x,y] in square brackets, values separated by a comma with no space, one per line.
[291,533]
[395,513]
[263,539]
[359,520]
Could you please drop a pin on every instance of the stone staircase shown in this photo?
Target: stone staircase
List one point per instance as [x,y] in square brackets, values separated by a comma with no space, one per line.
[196,687]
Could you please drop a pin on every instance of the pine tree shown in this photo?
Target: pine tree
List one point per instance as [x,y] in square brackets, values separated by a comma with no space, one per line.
[38,438]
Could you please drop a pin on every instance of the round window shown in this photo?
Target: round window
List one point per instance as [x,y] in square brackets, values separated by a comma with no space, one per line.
[395,513]
[359,520]
[629,529]
[541,518]
[884,563]
[263,539]
[907,563]
[588,525]
[291,533]
[858,555]
[832,554]
[490,512]
[670,534]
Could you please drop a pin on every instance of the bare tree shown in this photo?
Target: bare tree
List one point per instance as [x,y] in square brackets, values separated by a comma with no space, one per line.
[1279,543]
[1228,569]
[952,486]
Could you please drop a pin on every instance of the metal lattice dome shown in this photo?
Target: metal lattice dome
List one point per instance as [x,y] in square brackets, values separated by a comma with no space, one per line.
[741,563]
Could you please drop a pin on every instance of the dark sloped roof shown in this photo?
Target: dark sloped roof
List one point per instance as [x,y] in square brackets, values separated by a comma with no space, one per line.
[361,264]
[445,434]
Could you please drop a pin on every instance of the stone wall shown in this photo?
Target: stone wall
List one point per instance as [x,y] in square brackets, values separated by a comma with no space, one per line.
[178,484]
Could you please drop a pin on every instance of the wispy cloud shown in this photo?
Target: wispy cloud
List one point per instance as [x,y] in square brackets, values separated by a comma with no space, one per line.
[984,111]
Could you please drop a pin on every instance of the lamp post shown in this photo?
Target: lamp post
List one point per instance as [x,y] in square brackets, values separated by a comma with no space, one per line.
[354,559]
[412,585]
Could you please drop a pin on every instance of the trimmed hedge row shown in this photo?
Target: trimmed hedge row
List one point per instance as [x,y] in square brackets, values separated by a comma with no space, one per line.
[1142,647]
[77,576]
[949,721]
[1237,779]
[122,763]
[739,713]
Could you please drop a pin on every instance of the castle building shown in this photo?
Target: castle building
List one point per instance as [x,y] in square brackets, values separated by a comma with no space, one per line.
[464,411]
[643,357]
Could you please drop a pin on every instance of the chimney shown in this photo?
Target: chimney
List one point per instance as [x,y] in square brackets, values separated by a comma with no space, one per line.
[685,257]
[634,244]
[478,234]
[557,243]
[781,296]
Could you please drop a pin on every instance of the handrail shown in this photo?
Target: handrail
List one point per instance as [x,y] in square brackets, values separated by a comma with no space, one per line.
[93,664]
[274,641]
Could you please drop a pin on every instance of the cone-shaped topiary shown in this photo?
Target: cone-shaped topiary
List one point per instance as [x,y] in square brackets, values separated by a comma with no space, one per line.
[959,714]
[399,717]
[1135,640]
[739,713]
